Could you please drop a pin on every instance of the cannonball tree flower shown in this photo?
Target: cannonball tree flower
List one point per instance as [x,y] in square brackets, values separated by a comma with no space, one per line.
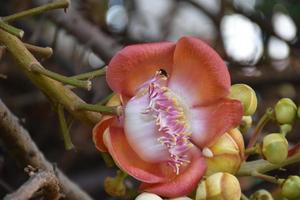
[175,101]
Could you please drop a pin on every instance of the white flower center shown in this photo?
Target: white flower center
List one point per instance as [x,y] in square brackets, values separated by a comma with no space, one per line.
[170,117]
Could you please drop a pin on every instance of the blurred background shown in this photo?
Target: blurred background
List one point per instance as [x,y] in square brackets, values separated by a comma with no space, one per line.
[258,39]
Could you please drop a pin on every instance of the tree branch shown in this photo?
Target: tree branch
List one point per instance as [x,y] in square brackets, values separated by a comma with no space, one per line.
[263,166]
[103,45]
[20,146]
[38,10]
[43,52]
[53,89]
[41,180]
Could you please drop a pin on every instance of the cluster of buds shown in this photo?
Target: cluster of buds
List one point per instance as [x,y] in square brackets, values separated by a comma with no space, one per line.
[220,186]
[274,147]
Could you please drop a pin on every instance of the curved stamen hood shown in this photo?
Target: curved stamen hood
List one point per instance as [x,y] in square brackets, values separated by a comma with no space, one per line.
[166,110]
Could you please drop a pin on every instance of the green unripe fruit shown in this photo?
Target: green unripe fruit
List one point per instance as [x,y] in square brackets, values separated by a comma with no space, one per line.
[261,195]
[285,111]
[298,112]
[275,148]
[291,187]
[246,95]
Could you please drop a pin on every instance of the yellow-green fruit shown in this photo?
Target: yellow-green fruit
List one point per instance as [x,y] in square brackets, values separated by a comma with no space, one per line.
[291,187]
[226,154]
[285,111]
[246,95]
[261,195]
[298,112]
[219,186]
[275,148]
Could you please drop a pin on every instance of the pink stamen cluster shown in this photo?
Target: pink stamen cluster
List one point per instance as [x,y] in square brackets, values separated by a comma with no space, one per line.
[171,121]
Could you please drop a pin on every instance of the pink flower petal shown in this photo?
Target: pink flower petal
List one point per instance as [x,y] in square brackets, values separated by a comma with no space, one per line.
[199,75]
[210,122]
[127,159]
[135,64]
[98,132]
[182,184]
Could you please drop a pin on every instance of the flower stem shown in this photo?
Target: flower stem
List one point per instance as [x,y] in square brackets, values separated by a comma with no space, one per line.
[38,10]
[260,125]
[263,166]
[253,150]
[10,29]
[64,128]
[109,162]
[268,178]
[67,80]
[106,99]
[111,110]
[90,75]
[52,88]
[44,52]
[121,175]
[285,129]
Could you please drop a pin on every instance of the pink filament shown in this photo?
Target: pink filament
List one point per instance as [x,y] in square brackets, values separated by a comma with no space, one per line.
[171,121]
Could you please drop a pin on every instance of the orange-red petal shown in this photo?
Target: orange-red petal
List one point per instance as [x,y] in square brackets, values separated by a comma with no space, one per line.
[182,184]
[199,75]
[105,122]
[98,132]
[136,64]
[210,122]
[125,157]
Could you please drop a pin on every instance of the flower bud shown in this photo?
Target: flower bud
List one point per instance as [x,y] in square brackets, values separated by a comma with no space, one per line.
[246,95]
[221,186]
[285,111]
[275,148]
[115,186]
[261,195]
[291,187]
[226,154]
[148,196]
